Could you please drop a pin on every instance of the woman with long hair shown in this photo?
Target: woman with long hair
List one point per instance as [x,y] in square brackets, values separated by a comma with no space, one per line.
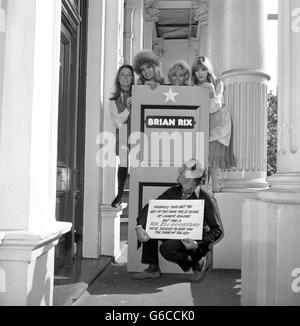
[120,112]
[220,124]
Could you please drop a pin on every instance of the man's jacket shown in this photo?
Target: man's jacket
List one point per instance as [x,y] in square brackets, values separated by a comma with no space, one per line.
[212,225]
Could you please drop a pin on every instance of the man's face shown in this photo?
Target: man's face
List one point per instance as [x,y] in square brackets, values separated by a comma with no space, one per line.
[181,179]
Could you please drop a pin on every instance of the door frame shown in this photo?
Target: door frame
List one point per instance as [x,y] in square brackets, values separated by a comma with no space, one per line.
[81,124]
[75,18]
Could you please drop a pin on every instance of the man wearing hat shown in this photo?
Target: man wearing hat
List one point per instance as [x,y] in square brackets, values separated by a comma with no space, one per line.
[187,253]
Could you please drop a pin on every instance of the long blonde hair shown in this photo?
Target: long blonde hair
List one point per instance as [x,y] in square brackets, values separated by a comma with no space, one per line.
[202,61]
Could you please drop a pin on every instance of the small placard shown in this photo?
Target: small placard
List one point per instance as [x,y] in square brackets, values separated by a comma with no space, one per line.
[175,219]
[170,122]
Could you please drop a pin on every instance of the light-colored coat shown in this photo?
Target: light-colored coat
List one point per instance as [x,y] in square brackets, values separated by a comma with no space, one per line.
[219,118]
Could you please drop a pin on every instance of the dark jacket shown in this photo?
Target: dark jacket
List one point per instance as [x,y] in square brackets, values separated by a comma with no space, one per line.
[212,225]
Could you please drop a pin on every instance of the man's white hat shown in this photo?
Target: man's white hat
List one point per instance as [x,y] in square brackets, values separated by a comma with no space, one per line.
[195,169]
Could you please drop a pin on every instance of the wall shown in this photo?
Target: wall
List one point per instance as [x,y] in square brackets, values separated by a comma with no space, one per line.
[3,7]
[174,50]
[94,107]
[105,54]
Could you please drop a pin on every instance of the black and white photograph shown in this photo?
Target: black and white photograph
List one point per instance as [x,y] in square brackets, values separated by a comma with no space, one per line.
[149,156]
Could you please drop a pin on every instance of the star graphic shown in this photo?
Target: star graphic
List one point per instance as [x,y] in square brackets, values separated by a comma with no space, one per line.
[170,96]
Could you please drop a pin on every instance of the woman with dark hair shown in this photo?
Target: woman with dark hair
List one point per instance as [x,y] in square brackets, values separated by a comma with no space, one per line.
[120,110]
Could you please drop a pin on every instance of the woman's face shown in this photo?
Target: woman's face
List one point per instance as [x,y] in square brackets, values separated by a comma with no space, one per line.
[125,78]
[201,74]
[177,77]
[147,71]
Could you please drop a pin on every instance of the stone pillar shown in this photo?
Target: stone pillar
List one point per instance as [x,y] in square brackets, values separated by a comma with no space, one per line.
[113,50]
[2,19]
[94,113]
[151,15]
[28,147]
[271,233]
[203,38]
[2,43]
[158,47]
[215,34]
[245,83]
[128,32]
[112,59]
[200,14]
[236,49]
[148,35]
[138,27]
[110,222]
[194,49]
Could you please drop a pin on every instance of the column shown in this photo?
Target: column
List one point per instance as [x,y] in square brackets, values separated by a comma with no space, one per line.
[203,38]
[215,34]
[94,113]
[200,14]
[158,47]
[2,19]
[245,83]
[288,158]
[2,43]
[28,146]
[236,49]
[128,32]
[112,59]
[194,49]
[138,27]
[271,234]
[151,15]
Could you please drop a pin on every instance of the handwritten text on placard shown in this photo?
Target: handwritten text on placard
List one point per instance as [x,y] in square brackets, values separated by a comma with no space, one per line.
[175,219]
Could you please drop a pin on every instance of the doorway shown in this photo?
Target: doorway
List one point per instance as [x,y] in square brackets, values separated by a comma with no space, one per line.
[71,129]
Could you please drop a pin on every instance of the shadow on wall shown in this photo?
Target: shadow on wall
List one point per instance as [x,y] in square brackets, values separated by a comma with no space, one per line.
[41,293]
[27,284]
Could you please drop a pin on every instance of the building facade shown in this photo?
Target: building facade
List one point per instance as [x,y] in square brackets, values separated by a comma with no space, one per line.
[58,60]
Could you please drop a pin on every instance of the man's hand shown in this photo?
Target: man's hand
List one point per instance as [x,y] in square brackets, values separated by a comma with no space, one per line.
[190,244]
[142,235]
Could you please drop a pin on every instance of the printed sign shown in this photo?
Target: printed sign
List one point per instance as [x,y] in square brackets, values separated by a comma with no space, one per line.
[175,219]
[170,122]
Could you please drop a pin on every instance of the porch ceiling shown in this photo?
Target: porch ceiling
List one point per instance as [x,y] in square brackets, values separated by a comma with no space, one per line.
[176,20]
